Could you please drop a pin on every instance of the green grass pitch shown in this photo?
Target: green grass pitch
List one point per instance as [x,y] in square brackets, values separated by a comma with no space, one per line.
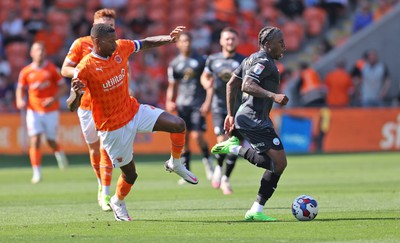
[358,197]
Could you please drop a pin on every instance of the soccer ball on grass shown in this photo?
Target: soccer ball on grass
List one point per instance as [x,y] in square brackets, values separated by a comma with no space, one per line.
[305,208]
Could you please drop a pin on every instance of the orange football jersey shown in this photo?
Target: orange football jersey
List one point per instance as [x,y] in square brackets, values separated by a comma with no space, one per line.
[42,82]
[79,49]
[107,81]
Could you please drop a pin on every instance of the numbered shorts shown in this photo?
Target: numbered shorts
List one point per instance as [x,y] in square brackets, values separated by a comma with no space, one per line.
[42,123]
[119,143]
[87,125]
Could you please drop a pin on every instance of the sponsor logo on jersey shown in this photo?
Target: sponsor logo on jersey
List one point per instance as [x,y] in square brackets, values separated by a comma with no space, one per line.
[115,81]
[258,68]
[276,141]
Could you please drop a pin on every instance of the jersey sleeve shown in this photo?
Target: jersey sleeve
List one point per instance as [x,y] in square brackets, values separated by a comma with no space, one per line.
[259,70]
[22,81]
[75,52]
[238,72]
[79,73]
[171,74]
[130,46]
[208,66]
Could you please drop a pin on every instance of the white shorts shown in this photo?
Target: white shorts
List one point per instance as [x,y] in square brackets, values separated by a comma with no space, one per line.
[42,123]
[87,125]
[119,143]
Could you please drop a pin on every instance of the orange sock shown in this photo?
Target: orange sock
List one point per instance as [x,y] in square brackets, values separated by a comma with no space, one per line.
[95,162]
[123,188]
[35,155]
[177,144]
[106,168]
[57,148]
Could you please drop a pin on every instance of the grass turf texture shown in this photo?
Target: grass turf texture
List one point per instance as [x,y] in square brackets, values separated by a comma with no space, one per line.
[358,197]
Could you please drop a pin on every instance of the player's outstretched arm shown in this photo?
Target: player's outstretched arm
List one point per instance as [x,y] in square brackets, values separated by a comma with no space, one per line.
[159,40]
[252,88]
[74,99]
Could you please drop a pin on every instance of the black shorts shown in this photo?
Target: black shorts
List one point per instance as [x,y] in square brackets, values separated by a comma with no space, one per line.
[262,140]
[192,117]
[218,122]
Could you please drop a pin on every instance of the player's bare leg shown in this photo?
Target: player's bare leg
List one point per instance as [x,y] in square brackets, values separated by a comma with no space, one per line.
[62,160]
[207,159]
[35,156]
[125,182]
[175,125]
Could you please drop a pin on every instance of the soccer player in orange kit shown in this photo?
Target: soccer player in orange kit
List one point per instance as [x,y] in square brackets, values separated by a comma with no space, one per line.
[117,116]
[45,86]
[99,159]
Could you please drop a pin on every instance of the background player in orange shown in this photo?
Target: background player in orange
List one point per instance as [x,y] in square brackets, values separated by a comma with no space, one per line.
[99,160]
[44,84]
[117,116]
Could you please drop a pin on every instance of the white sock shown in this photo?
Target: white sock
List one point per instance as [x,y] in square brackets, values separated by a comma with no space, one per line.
[37,171]
[174,161]
[235,149]
[115,199]
[105,190]
[256,208]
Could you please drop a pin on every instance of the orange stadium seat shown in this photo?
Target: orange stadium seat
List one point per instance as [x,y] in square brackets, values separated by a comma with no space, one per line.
[132,4]
[68,4]
[294,34]
[263,3]
[31,4]
[3,15]
[17,56]
[92,4]
[158,14]
[200,4]
[181,16]
[8,5]
[157,3]
[270,13]
[315,19]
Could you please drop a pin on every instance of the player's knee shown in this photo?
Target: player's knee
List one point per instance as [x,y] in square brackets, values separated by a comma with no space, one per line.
[131,177]
[94,151]
[179,124]
[280,166]
[198,137]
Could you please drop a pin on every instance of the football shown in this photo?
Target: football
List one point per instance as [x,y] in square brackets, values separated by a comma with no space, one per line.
[305,208]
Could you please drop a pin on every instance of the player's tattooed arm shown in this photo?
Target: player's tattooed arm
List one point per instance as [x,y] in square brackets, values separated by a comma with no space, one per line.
[252,88]
[155,41]
[74,99]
